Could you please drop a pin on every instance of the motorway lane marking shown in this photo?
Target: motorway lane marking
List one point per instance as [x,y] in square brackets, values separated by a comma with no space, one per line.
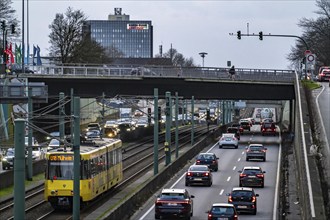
[243,152]
[239,159]
[221,192]
[228,178]
[234,168]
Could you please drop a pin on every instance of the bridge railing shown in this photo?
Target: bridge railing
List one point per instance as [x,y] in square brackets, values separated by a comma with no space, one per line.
[166,71]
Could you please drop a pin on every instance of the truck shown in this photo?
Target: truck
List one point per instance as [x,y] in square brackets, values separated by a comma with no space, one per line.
[125,112]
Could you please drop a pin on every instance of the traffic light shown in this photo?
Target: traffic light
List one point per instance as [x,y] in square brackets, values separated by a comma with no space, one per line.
[260,35]
[208,115]
[238,35]
[3,25]
[13,29]
[149,116]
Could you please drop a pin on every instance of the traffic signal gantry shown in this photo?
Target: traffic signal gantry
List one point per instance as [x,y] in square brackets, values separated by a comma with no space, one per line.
[239,35]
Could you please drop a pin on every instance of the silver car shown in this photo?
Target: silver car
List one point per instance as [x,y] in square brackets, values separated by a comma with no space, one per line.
[256,151]
[228,140]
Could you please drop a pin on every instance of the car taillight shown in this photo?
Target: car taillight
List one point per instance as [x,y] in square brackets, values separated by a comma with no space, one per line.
[214,161]
[230,199]
[242,175]
[264,151]
[206,174]
[189,174]
[260,175]
[253,198]
[209,216]
[198,161]
[235,217]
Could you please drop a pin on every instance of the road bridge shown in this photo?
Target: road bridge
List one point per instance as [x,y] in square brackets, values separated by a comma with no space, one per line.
[202,83]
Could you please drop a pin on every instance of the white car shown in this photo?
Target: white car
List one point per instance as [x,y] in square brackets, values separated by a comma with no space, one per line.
[228,140]
[54,143]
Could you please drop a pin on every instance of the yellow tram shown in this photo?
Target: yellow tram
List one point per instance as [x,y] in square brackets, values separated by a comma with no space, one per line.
[100,170]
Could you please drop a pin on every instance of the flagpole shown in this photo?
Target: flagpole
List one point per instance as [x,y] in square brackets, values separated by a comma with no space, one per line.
[23,68]
[27,32]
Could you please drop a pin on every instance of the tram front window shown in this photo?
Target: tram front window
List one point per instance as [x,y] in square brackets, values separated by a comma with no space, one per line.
[60,170]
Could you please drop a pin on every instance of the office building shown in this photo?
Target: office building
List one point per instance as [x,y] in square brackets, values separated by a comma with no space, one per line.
[121,36]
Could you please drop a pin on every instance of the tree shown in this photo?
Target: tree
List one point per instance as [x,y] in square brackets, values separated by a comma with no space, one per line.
[177,58]
[89,51]
[316,33]
[114,52]
[8,14]
[66,34]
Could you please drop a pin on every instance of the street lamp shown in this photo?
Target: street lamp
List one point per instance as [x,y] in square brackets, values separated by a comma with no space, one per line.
[203,54]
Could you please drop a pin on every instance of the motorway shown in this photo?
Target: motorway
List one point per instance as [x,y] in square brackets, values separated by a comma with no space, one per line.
[230,161]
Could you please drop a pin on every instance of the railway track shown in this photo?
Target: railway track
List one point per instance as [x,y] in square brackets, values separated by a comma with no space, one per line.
[137,160]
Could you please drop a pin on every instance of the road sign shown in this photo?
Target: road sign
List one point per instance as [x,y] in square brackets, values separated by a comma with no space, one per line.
[307,52]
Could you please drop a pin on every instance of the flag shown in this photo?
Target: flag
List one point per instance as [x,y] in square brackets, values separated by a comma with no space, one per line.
[38,56]
[28,54]
[18,54]
[9,54]
[34,54]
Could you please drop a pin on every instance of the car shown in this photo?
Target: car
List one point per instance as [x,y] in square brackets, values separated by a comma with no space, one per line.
[268,128]
[8,159]
[324,73]
[236,131]
[227,140]
[110,124]
[267,120]
[222,211]
[54,143]
[209,159]
[199,175]
[256,151]
[236,125]
[92,134]
[252,176]
[174,203]
[93,126]
[142,123]
[246,124]
[110,132]
[244,199]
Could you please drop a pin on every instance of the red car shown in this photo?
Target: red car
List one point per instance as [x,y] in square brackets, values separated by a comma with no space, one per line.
[268,128]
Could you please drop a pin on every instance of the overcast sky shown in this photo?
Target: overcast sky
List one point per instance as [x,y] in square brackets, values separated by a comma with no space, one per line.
[193,26]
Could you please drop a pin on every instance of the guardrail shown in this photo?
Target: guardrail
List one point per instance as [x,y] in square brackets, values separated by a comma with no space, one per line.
[164,71]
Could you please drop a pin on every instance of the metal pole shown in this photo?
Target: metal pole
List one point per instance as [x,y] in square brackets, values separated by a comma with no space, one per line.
[76,162]
[192,121]
[72,113]
[156,132]
[185,111]
[223,113]
[19,169]
[30,169]
[23,30]
[167,144]
[176,125]
[103,115]
[61,117]
[218,113]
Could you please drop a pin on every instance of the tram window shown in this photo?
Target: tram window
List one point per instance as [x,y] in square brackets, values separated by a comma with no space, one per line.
[94,170]
[84,170]
[58,170]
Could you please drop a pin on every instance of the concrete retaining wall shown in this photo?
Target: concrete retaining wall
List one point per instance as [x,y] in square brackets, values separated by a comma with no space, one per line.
[7,178]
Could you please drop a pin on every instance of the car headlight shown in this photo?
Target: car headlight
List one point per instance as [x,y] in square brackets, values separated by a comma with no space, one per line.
[4,159]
